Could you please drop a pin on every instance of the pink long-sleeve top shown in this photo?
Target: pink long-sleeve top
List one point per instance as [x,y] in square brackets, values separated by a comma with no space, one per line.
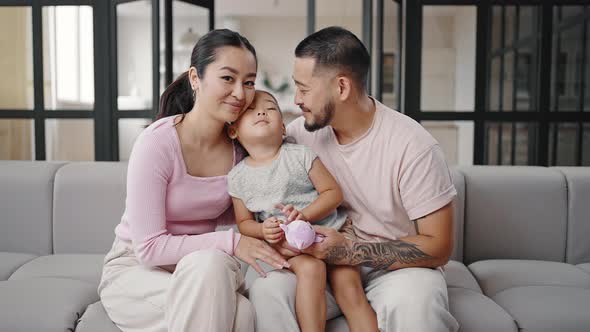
[168,212]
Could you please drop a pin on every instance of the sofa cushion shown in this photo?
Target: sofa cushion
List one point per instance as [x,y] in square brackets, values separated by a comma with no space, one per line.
[26,198]
[547,308]
[79,267]
[457,275]
[514,213]
[95,319]
[476,312]
[578,220]
[585,267]
[44,304]
[495,276]
[89,203]
[458,215]
[10,262]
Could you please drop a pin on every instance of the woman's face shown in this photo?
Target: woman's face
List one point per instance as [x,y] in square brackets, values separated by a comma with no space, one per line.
[227,86]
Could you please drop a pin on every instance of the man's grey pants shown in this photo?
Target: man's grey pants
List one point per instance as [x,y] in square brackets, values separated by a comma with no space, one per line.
[412,299]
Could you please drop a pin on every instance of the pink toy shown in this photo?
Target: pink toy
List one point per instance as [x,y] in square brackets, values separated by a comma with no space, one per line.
[300,234]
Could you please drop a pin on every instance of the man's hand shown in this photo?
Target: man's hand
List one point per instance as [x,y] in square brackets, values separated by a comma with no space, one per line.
[335,249]
[285,249]
[271,231]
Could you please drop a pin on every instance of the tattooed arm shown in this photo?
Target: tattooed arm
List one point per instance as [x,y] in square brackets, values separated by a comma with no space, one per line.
[431,247]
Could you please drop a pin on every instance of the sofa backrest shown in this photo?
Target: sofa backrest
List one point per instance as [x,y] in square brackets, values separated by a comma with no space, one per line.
[514,213]
[458,215]
[26,198]
[578,219]
[89,202]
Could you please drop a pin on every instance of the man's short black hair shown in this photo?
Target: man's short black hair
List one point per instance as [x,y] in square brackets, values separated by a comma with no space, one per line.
[338,48]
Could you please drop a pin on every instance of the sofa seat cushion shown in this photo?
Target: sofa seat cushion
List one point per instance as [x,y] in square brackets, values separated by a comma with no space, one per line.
[547,308]
[476,312]
[495,276]
[10,261]
[457,275]
[85,267]
[585,267]
[95,319]
[43,304]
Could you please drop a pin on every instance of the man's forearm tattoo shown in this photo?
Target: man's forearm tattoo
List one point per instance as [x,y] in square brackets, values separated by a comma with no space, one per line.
[378,255]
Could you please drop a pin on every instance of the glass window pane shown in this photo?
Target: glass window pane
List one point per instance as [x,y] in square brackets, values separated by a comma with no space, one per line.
[134,55]
[496,27]
[571,11]
[492,139]
[508,82]
[129,130]
[391,54]
[506,141]
[16,58]
[518,143]
[524,78]
[527,25]
[494,82]
[69,139]
[189,23]
[343,13]
[448,58]
[526,143]
[566,81]
[17,139]
[68,57]
[274,31]
[562,144]
[587,71]
[586,145]
[455,138]
[510,25]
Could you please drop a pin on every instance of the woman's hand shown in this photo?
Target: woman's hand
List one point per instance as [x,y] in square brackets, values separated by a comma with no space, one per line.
[250,249]
[285,249]
[271,231]
[290,212]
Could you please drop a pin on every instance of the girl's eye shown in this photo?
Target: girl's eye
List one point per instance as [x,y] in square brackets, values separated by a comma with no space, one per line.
[250,83]
[227,78]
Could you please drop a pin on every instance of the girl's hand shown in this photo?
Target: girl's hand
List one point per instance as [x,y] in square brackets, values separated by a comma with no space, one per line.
[271,231]
[290,212]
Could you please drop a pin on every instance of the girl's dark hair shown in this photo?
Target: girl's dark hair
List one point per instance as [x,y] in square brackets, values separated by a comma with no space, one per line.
[178,98]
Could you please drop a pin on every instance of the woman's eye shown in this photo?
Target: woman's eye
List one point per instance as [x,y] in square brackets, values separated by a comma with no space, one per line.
[250,83]
[227,78]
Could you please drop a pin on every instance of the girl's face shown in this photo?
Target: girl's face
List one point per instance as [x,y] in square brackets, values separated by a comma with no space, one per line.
[261,121]
[227,86]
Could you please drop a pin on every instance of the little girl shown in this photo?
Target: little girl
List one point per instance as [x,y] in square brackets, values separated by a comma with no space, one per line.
[283,178]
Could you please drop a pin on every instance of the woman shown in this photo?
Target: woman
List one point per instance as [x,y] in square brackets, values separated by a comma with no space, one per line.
[168,269]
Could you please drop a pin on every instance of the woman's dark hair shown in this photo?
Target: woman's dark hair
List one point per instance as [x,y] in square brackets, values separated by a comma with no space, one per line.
[178,98]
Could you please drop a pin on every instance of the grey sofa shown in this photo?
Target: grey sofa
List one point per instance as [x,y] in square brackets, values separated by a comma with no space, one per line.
[521,259]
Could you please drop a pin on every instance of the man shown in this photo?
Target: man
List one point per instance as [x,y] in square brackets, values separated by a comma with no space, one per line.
[397,192]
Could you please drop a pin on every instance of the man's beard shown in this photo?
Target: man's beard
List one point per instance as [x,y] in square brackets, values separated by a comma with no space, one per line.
[323,119]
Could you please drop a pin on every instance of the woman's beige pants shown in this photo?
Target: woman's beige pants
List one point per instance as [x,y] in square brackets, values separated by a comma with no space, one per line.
[203,293]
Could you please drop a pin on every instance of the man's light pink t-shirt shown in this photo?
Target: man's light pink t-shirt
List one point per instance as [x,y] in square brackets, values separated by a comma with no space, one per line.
[168,212]
[394,173]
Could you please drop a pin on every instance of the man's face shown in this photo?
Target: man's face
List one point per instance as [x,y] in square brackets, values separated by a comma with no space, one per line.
[312,94]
